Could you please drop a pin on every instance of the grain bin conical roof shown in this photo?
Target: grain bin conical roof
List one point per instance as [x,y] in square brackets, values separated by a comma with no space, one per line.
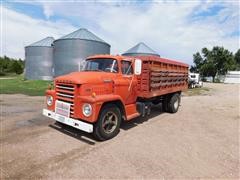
[140,49]
[44,42]
[83,34]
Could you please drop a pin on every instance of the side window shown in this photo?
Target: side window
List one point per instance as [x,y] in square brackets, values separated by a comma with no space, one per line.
[127,67]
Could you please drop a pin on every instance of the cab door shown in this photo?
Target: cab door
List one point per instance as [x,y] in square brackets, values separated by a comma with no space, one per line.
[126,84]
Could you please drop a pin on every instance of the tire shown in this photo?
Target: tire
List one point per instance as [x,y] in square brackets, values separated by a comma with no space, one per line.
[108,124]
[174,103]
[165,104]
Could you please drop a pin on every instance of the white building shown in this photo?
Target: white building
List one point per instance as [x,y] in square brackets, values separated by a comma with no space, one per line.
[232,77]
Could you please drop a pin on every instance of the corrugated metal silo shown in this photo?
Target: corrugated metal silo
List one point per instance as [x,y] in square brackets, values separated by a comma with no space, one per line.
[71,50]
[39,59]
[141,49]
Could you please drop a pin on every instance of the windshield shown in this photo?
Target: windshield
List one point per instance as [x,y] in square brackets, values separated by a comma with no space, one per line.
[106,65]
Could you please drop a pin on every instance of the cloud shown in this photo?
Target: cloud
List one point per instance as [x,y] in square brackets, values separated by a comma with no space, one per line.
[168,29]
[175,29]
[47,11]
[20,30]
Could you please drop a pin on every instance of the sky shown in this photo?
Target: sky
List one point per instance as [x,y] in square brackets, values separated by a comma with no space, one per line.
[175,29]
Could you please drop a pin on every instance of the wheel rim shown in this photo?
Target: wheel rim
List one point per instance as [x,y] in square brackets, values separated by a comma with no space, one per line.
[176,104]
[109,123]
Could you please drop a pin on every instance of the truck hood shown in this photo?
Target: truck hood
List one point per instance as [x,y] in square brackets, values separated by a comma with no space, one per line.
[85,77]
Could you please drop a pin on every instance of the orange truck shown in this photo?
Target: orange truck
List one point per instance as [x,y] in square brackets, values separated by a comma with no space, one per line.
[112,89]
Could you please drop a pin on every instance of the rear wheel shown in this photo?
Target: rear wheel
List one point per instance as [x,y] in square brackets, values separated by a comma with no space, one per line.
[171,103]
[165,104]
[174,103]
[108,124]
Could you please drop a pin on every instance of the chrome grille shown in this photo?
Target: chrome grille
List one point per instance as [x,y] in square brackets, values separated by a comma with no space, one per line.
[65,93]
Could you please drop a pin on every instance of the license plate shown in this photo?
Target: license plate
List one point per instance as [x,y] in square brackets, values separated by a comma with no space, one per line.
[62,108]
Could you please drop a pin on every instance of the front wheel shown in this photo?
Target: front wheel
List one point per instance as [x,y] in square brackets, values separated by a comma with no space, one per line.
[108,124]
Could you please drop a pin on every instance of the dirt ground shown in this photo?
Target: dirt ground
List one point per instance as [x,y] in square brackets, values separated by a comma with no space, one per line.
[199,141]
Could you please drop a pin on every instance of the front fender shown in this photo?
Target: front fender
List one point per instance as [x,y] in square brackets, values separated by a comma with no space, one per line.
[96,103]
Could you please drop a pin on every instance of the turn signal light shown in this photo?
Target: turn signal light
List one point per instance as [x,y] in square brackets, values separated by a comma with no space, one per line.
[94,94]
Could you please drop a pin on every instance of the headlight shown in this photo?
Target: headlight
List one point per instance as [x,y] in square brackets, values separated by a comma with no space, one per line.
[87,110]
[49,100]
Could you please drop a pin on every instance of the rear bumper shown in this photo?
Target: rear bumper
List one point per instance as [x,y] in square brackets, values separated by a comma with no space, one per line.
[69,121]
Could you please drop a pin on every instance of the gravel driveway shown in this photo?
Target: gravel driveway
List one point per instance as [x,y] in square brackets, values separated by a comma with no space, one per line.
[199,141]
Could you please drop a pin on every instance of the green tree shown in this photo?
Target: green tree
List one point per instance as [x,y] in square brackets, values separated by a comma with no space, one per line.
[237,59]
[10,65]
[198,61]
[213,62]
[223,59]
[3,65]
[208,69]
[17,68]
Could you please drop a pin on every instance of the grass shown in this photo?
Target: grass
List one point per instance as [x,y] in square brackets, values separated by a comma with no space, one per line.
[17,85]
[197,91]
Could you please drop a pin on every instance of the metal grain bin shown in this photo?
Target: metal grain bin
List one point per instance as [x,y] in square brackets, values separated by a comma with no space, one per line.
[71,50]
[39,60]
[141,49]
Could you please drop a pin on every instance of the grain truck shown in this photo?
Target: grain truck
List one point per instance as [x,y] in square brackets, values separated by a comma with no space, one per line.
[111,89]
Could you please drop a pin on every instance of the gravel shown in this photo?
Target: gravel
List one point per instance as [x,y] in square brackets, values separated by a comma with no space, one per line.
[200,141]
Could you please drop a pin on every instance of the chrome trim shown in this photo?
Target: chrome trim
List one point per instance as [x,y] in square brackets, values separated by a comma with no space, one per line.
[64,87]
[87,127]
[65,95]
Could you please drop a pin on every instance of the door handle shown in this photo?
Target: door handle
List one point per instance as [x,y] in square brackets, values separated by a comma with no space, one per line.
[107,80]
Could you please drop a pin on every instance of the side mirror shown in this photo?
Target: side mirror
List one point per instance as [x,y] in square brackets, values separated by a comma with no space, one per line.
[138,67]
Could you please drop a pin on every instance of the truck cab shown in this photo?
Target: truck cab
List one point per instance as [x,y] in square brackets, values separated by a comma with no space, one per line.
[105,89]
[111,89]
[194,80]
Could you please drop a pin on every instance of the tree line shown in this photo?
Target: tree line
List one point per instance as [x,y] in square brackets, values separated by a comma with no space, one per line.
[11,65]
[215,61]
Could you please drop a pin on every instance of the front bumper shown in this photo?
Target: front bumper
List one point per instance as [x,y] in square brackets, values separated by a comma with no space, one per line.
[69,121]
